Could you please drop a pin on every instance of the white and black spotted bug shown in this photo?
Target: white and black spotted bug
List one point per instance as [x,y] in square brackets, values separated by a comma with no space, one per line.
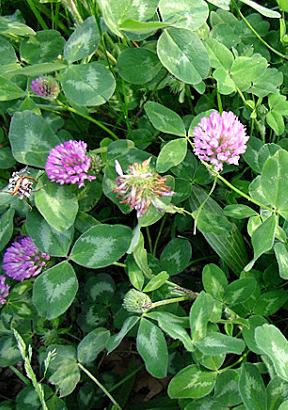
[20,184]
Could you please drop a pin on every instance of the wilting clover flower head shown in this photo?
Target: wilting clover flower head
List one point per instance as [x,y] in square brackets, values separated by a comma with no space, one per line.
[219,139]
[4,289]
[46,87]
[20,184]
[68,163]
[141,186]
[136,302]
[23,259]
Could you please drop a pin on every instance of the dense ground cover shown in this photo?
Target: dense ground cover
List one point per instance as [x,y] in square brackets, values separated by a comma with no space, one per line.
[144,207]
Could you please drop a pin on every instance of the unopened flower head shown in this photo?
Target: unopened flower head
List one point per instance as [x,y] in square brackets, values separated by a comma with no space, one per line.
[219,139]
[136,302]
[46,87]
[68,163]
[141,186]
[21,184]
[4,290]
[23,259]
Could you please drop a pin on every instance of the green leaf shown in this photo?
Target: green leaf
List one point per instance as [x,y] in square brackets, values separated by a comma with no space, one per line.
[274,181]
[156,282]
[63,369]
[92,344]
[116,12]
[101,245]
[275,121]
[276,393]
[46,238]
[226,388]
[223,4]
[187,58]
[176,256]
[281,253]
[7,52]
[100,288]
[83,41]
[200,314]
[174,326]
[31,138]
[268,82]
[245,69]
[57,204]
[14,28]
[239,211]
[135,274]
[191,383]
[44,47]
[164,119]
[252,388]
[239,290]
[279,103]
[152,347]
[6,227]
[263,239]
[272,342]
[9,90]
[214,280]
[88,84]
[216,343]
[270,302]
[249,332]
[184,14]
[219,55]
[141,27]
[6,158]
[115,340]
[263,10]
[54,290]
[172,154]
[138,65]
[228,243]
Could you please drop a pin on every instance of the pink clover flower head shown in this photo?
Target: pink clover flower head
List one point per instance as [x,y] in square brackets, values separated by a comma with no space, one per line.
[46,87]
[68,163]
[219,139]
[141,186]
[23,260]
[4,290]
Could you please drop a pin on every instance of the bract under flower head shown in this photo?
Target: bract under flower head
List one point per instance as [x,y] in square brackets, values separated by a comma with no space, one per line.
[23,259]
[46,87]
[141,186]
[4,290]
[219,139]
[68,163]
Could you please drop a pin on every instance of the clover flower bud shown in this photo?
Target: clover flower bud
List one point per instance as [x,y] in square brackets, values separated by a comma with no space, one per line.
[136,302]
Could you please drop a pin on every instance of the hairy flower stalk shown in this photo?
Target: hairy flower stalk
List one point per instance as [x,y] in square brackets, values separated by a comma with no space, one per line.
[4,290]
[219,139]
[23,260]
[46,87]
[141,186]
[68,163]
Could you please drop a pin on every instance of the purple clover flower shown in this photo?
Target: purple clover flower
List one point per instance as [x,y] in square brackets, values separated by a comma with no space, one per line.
[68,163]
[23,259]
[46,87]
[220,139]
[4,290]
[141,186]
